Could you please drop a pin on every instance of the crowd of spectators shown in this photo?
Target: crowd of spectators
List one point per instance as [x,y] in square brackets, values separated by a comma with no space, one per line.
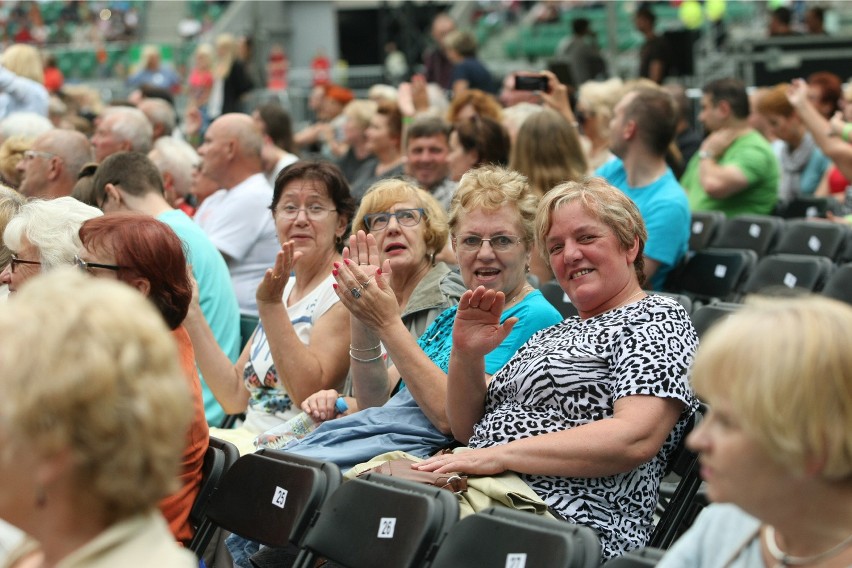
[389,253]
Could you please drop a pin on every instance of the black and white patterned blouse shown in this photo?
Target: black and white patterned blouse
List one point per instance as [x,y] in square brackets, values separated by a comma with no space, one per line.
[571,374]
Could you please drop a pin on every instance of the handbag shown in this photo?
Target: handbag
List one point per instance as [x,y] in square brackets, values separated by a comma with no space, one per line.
[401,469]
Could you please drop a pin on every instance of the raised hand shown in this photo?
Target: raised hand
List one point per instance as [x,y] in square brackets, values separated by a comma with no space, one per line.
[271,287]
[367,297]
[477,329]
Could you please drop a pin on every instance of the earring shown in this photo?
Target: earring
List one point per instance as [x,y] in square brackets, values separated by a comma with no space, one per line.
[432,258]
[527,268]
[338,240]
[41,497]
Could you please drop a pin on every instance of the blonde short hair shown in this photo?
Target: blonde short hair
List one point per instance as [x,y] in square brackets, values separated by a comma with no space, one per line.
[104,385]
[10,202]
[603,201]
[785,367]
[490,187]
[25,61]
[384,194]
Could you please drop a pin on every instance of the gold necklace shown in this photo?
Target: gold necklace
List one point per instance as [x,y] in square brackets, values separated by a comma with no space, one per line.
[627,301]
[517,296]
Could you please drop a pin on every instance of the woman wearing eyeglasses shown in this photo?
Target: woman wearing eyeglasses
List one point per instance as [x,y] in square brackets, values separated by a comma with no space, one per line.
[301,342]
[43,236]
[491,220]
[146,254]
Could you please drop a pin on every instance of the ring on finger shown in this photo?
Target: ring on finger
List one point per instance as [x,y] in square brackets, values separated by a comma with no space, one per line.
[356,293]
[364,284]
[276,277]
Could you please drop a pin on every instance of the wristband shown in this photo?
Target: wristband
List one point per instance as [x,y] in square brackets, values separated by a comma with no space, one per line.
[847,130]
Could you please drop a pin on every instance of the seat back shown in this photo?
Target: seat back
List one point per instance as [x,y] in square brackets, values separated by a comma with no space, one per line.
[704,228]
[814,238]
[218,459]
[716,273]
[271,497]
[839,284]
[679,512]
[640,558]
[247,326]
[752,232]
[806,207]
[498,537]
[554,294]
[706,316]
[378,520]
[781,272]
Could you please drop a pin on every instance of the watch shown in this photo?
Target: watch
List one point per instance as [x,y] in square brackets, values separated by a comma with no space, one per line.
[703,154]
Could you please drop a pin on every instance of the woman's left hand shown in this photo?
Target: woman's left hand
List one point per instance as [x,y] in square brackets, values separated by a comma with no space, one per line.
[271,287]
[481,461]
[477,329]
[364,288]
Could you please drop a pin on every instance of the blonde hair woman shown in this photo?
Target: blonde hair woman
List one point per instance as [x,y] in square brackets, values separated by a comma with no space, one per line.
[88,423]
[595,103]
[231,81]
[775,447]
[22,81]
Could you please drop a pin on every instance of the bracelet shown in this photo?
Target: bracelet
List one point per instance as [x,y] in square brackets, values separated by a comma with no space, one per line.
[847,130]
[407,120]
[363,350]
[376,358]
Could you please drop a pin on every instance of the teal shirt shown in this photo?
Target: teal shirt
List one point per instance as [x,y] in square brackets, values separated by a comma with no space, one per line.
[753,155]
[217,298]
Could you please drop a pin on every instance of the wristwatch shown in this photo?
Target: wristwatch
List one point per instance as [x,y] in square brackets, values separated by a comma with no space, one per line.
[703,154]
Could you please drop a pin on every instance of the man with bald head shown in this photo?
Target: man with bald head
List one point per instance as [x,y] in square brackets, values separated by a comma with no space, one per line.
[51,166]
[237,218]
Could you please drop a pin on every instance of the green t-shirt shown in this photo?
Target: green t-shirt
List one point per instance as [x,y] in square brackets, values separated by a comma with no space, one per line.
[753,155]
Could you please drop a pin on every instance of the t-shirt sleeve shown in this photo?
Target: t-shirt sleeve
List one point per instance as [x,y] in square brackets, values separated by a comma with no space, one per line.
[654,354]
[667,224]
[237,223]
[753,162]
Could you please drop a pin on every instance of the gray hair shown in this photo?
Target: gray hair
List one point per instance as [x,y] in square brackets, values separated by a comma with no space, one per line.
[52,226]
[177,158]
[159,112]
[132,126]
[24,124]
[72,146]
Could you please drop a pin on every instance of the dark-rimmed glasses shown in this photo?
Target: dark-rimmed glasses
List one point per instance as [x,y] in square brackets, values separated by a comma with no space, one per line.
[498,243]
[405,217]
[88,266]
[16,261]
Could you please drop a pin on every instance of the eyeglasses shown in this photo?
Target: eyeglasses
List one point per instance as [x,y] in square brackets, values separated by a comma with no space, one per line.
[313,212]
[16,261]
[405,217]
[31,154]
[88,266]
[499,243]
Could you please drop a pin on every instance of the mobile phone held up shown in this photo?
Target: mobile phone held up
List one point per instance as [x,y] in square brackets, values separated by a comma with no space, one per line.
[530,83]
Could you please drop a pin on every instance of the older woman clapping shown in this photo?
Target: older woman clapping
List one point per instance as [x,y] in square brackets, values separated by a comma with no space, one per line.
[776,445]
[88,423]
[589,410]
[300,345]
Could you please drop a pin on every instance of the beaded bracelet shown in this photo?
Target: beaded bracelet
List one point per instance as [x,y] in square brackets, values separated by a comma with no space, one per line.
[363,350]
[376,358]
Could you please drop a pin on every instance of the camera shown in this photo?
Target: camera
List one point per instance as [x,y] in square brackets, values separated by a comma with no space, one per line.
[530,83]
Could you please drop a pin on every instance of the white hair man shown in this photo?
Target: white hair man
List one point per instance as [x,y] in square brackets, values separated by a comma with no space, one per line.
[122,129]
[51,166]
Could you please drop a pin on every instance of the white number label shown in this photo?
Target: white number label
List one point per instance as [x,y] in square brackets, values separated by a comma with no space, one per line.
[280,497]
[516,560]
[386,527]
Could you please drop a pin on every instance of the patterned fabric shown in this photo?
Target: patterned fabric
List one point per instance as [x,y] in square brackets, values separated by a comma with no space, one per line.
[571,374]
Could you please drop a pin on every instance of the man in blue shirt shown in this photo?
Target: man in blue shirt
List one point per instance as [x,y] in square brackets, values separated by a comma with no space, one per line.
[642,127]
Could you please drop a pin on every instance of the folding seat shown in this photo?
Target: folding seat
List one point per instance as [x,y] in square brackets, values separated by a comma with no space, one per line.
[705,316]
[803,207]
[271,496]
[378,520]
[753,232]
[713,274]
[839,284]
[498,537]
[704,228]
[641,558]
[782,272]
[815,238]
[218,459]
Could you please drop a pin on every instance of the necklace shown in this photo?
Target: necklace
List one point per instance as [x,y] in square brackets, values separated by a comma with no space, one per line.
[784,559]
[627,301]
[517,296]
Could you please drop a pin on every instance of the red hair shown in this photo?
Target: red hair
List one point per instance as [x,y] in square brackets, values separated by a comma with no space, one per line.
[145,248]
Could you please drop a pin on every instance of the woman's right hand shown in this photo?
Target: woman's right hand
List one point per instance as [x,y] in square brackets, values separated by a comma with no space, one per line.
[271,287]
[321,405]
[477,329]
[375,302]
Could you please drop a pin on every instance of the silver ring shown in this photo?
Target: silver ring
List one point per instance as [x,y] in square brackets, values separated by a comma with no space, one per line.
[356,293]
[365,284]
[363,264]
